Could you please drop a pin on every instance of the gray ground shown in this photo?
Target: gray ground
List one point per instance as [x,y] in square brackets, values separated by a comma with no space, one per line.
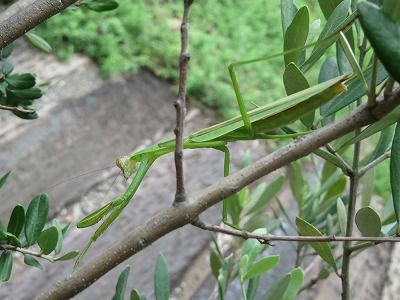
[85,124]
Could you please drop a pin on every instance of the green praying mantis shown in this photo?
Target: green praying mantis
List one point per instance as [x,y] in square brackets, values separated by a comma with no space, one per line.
[249,125]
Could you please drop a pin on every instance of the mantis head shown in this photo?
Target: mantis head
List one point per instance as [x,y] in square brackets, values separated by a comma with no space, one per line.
[127,166]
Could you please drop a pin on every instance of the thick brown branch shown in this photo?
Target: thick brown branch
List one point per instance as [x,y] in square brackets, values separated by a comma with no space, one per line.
[29,17]
[267,238]
[180,103]
[174,217]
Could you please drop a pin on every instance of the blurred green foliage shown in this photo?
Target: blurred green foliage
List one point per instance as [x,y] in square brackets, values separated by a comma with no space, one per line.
[145,33]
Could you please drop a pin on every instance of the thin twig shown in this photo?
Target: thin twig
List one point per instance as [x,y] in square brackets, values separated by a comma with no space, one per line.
[180,103]
[268,238]
[373,163]
[15,109]
[27,252]
[372,88]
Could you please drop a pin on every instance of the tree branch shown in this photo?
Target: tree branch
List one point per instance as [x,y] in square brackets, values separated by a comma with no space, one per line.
[29,17]
[180,103]
[15,109]
[175,217]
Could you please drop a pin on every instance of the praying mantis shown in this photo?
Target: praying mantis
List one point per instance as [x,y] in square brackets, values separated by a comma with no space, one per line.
[249,125]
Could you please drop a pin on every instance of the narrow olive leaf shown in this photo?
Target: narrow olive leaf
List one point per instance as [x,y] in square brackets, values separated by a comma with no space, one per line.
[297,183]
[38,42]
[342,215]
[48,240]
[329,70]
[21,81]
[328,6]
[262,200]
[36,217]
[336,190]
[295,81]
[322,249]
[392,9]
[6,262]
[343,62]
[378,126]
[383,144]
[278,290]
[296,36]
[333,159]
[288,11]
[121,284]
[95,216]
[58,226]
[262,266]
[135,295]
[296,282]
[252,288]
[161,279]
[368,222]
[243,266]
[6,51]
[338,20]
[395,173]
[17,220]
[26,94]
[368,186]
[68,256]
[223,278]
[100,5]
[383,34]
[4,178]
[215,263]
[31,261]
[13,240]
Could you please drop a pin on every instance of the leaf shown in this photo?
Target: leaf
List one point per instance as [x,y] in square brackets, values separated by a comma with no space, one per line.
[329,70]
[38,42]
[368,222]
[278,290]
[17,220]
[288,11]
[25,94]
[395,173]
[296,36]
[342,215]
[383,34]
[322,249]
[392,9]
[296,282]
[135,295]
[57,225]
[262,200]
[26,116]
[328,6]
[4,178]
[297,183]
[6,262]
[48,240]
[223,278]
[336,190]
[368,186]
[215,263]
[68,256]
[161,279]
[36,217]
[121,284]
[262,266]
[13,240]
[6,51]
[252,287]
[100,5]
[31,261]
[243,266]
[21,81]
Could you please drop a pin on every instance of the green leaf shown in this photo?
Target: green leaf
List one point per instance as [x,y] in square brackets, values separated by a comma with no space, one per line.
[342,215]
[68,256]
[135,295]
[266,194]
[322,249]
[6,261]
[215,263]
[6,51]
[288,11]
[17,220]
[392,9]
[21,81]
[368,222]
[383,34]
[4,178]
[48,239]
[296,282]
[278,290]
[368,186]
[100,5]
[161,279]
[297,183]
[26,116]
[252,287]
[7,68]
[243,266]
[328,6]
[38,42]
[262,266]
[36,217]
[395,173]
[13,240]
[296,36]
[223,278]
[31,261]
[25,94]
[121,284]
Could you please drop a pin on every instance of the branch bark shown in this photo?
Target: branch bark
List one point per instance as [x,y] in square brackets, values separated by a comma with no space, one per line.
[180,103]
[174,217]
[32,15]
